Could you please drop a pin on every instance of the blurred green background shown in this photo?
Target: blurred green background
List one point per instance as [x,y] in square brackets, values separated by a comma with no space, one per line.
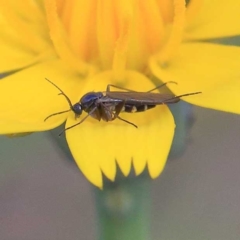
[43,196]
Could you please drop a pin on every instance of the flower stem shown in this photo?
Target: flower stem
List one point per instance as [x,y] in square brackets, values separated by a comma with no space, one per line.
[123,209]
[123,206]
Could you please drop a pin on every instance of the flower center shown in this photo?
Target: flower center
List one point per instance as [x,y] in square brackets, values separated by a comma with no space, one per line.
[116,34]
[176,33]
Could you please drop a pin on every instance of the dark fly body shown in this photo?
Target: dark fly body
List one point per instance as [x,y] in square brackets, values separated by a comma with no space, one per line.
[108,105]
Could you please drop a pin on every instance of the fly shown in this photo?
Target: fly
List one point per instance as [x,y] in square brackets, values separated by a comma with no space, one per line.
[109,104]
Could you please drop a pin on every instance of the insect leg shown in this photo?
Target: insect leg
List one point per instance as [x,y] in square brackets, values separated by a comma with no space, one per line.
[122,88]
[179,96]
[164,84]
[127,122]
[116,113]
[129,90]
[78,122]
[118,110]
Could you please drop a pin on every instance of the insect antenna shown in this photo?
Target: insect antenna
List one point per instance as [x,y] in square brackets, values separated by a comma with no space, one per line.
[66,97]
[56,114]
[62,93]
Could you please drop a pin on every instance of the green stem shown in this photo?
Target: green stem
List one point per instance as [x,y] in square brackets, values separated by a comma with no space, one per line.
[123,209]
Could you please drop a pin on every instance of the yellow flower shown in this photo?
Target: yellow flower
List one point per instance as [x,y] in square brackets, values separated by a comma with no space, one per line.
[82,46]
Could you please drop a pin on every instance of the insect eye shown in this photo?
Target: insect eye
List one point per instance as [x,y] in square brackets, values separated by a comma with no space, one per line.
[77,108]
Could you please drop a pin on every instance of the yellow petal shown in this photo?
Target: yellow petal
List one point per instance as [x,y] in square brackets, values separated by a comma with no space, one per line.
[216,18]
[14,58]
[19,49]
[13,51]
[97,146]
[26,98]
[210,68]
[166,8]
[18,57]
[27,20]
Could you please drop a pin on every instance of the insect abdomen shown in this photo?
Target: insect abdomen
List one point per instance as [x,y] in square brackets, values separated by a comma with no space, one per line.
[136,108]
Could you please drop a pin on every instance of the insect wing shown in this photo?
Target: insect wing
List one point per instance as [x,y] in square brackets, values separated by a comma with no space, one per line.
[142,98]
